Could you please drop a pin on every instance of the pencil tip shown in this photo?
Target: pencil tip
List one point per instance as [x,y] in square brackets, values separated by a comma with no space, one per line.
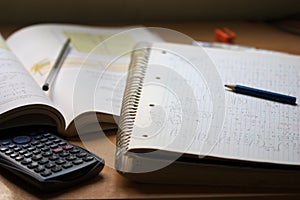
[229,86]
[45,87]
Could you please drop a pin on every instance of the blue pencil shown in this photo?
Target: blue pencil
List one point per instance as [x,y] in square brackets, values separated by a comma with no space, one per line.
[263,94]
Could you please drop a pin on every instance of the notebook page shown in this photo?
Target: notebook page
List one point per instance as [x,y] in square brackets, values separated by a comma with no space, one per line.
[253,129]
[257,129]
[176,109]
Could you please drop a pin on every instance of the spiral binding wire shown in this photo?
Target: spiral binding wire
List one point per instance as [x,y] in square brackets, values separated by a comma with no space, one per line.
[135,80]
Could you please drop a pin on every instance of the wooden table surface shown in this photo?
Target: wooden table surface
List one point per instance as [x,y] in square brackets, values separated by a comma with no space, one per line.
[110,185]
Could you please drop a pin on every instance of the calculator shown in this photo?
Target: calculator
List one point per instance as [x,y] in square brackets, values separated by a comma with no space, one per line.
[47,161]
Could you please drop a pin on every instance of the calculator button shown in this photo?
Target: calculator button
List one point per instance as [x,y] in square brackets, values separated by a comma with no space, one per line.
[68,147]
[56,140]
[39,169]
[82,154]
[17,149]
[60,162]
[44,140]
[49,165]
[14,155]
[56,169]
[39,146]
[77,162]
[19,158]
[6,142]
[48,143]
[26,145]
[27,155]
[43,161]
[22,152]
[57,150]
[64,154]
[36,152]
[33,165]
[47,135]
[31,149]
[88,158]
[8,152]
[62,143]
[67,165]
[21,139]
[3,149]
[12,146]
[53,146]
[45,149]
[74,151]
[52,138]
[53,157]
[38,137]
[35,143]
[37,157]
[47,154]
[46,173]
[26,161]
[70,158]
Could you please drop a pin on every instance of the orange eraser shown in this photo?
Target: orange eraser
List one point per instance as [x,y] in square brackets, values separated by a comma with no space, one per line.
[224,35]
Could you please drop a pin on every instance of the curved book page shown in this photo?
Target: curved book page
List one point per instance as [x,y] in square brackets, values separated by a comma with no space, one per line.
[22,102]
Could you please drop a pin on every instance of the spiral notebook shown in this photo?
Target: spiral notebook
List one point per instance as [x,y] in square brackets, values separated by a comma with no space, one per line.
[179,125]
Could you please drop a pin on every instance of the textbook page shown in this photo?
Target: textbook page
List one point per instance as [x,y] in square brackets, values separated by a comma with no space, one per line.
[93,75]
[17,87]
[253,129]
[21,96]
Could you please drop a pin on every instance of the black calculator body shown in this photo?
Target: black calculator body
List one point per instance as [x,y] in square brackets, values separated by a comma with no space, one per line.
[47,161]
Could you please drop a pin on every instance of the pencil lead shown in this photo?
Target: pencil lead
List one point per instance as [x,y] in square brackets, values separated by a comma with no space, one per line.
[229,86]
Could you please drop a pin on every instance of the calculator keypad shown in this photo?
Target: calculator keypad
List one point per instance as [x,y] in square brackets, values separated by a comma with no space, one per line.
[45,154]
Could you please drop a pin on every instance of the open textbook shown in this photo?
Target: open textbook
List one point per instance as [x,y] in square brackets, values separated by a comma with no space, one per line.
[179,125]
[88,88]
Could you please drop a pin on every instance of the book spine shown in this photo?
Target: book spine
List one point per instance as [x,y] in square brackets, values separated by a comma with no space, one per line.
[132,94]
